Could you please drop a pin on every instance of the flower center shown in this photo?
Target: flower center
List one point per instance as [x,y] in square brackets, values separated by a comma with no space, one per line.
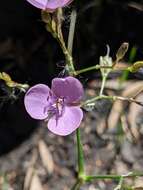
[55,108]
[58,106]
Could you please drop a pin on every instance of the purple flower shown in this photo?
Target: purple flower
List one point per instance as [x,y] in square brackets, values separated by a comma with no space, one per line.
[49,5]
[59,105]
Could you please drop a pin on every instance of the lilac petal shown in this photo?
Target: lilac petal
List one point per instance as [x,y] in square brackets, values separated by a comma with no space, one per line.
[36,101]
[70,88]
[41,4]
[50,5]
[67,123]
[54,4]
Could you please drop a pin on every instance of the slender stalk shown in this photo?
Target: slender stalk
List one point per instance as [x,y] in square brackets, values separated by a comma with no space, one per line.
[113,98]
[80,154]
[81,171]
[71,31]
[94,177]
[103,85]
[79,144]
[97,67]
[119,186]
[68,57]
[54,26]
[113,177]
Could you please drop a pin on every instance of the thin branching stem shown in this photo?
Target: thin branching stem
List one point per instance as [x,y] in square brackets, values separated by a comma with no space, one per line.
[112,177]
[113,98]
[72,31]
[102,85]
[97,67]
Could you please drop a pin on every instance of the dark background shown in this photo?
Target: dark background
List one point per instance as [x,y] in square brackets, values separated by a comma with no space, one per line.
[29,54]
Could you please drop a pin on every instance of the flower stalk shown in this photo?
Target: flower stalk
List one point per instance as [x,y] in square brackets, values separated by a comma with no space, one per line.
[112,177]
[115,68]
[103,84]
[54,26]
[81,171]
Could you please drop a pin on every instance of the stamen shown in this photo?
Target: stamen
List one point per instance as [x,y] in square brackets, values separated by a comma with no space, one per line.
[56,108]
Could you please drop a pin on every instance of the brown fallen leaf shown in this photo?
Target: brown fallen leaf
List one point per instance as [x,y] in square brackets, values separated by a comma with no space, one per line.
[36,183]
[102,125]
[30,171]
[134,110]
[110,84]
[28,178]
[138,185]
[46,157]
[125,128]
[115,113]
[131,90]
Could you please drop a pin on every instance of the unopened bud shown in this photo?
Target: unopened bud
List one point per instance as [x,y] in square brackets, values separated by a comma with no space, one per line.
[122,51]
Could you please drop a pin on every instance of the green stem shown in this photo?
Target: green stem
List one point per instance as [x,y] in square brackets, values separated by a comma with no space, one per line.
[95,67]
[81,172]
[91,178]
[103,84]
[119,186]
[55,28]
[113,177]
[80,158]
[113,98]
[68,57]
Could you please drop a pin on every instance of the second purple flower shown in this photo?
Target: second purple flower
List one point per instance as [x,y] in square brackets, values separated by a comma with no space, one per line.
[49,5]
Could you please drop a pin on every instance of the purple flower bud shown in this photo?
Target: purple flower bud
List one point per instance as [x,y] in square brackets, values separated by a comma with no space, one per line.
[49,5]
[59,105]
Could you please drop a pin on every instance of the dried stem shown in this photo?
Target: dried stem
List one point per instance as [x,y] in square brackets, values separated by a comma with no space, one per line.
[71,31]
